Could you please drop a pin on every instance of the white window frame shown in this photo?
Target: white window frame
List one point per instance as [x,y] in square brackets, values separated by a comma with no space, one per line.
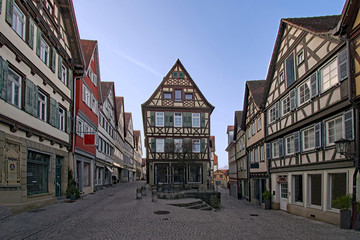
[249,132]
[330,187]
[253,128]
[15,84]
[195,116]
[80,127]
[281,77]
[160,145]
[302,92]
[256,155]
[262,153]
[334,119]
[285,105]
[196,145]
[63,74]
[178,120]
[159,119]
[258,123]
[42,100]
[309,191]
[44,51]
[272,114]
[251,156]
[333,78]
[178,145]
[294,190]
[289,145]
[300,57]
[251,107]
[275,149]
[303,132]
[19,21]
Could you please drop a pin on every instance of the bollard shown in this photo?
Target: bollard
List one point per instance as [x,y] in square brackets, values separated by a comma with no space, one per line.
[143,191]
[154,196]
[138,193]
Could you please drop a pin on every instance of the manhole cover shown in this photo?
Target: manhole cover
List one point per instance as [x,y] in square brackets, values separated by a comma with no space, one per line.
[254,215]
[161,212]
[37,210]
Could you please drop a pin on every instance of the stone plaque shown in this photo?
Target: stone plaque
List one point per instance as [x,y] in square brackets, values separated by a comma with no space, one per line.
[12,163]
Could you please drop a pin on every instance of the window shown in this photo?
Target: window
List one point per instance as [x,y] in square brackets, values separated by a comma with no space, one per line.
[289,145]
[159,119]
[258,123]
[251,108]
[37,172]
[49,7]
[249,133]
[298,189]
[196,145]
[281,77]
[178,173]
[315,189]
[275,149]
[44,51]
[290,70]
[13,88]
[256,155]
[160,145]
[273,114]
[253,129]
[181,75]
[195,174]
[41,106]
[262,155]
[334,130]
[188,96]
[167,95]
[80,127]
[308,138]
[251,156]
[338,183]
[285,102]
[86,176]
[178,145]
[196,119]
[304,92]
[161,173]
[177,120]
[329,75]
[175,74]
[178,95]
[63,74]
[300,57]
[18,21]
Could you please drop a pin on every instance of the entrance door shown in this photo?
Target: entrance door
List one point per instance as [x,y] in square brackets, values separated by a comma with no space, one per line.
[283,196]
[59,161]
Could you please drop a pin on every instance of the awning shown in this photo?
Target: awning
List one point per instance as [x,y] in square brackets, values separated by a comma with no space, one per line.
[110,170]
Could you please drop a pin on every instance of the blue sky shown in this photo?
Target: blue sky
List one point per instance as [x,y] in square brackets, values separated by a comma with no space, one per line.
[221,43]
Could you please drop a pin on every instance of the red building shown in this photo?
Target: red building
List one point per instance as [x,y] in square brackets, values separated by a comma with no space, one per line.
[86,117]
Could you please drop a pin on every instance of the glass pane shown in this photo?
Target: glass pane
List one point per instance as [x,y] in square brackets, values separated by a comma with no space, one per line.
[316,189]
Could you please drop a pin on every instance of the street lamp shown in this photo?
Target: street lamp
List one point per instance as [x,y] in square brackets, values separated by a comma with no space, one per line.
[342,147]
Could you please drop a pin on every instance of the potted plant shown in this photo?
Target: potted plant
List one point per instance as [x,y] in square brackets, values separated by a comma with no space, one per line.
[267,198]
[344,204]
[72,190]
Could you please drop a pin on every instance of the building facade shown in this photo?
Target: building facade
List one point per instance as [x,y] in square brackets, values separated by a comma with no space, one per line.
[38,56]
[120,139]
[233,180]
[129,172]
[176,122]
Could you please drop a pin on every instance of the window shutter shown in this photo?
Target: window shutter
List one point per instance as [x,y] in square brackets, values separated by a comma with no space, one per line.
[348,120]
[297,142]
[292,95]
[342,65]
[53,59]
[290,70]
[202,145]
[70,81]
[59,66]
[281,147]
[169,145]
[3,78]
[54,113]
[202,120]
[35,96]
[167,120]
[9,11]
[38,40]
[152,119]
[318,142]
[68,129]
[186,119]
[31,33]
[153,145]
[314,84]
[28,96]
[277,110]
[268,151]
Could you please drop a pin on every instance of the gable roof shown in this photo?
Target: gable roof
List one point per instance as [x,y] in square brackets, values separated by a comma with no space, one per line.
[136,137]
[178,63]
[316,25]
[105,89]
[229,128]
[88,48]
[348,17]
[216,159]
[128,117]
[119,101]
[237,122]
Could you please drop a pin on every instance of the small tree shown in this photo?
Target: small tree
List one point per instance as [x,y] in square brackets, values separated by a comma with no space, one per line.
[72,189]
[343,202]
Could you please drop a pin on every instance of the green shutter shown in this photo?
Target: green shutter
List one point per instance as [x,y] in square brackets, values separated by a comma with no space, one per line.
[169,119]
[31,33]
[152,119]
[3,77]
[202,145]
[186,119]
[53,59]
[348,122]
[35,96]
[169,145]
[9,11]
[202,120]
[153,145]
[59,66]
[38,40]
[68,129]
[342,65]
[70,81]
[28,96]
[54,112]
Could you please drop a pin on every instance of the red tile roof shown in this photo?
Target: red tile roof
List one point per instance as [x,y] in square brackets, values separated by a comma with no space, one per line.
[136,137]
[257,89]
[320,24]
[88,47]
[119,101]
[229,128]
[215,159]
[127,120]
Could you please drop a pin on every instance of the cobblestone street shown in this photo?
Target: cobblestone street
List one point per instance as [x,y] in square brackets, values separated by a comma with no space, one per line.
[114,213]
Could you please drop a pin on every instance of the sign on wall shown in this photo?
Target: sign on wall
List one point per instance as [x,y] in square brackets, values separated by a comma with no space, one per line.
[12,163]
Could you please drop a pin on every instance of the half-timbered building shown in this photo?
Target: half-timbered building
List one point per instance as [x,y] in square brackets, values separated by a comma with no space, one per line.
[241,157]
[308,109]
[137,153]
[120,139]
[176,121]
[39,52]
[233,189]
[129,163]
[253,123]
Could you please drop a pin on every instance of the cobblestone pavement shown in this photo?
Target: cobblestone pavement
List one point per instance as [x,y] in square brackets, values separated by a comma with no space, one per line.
[114,213]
